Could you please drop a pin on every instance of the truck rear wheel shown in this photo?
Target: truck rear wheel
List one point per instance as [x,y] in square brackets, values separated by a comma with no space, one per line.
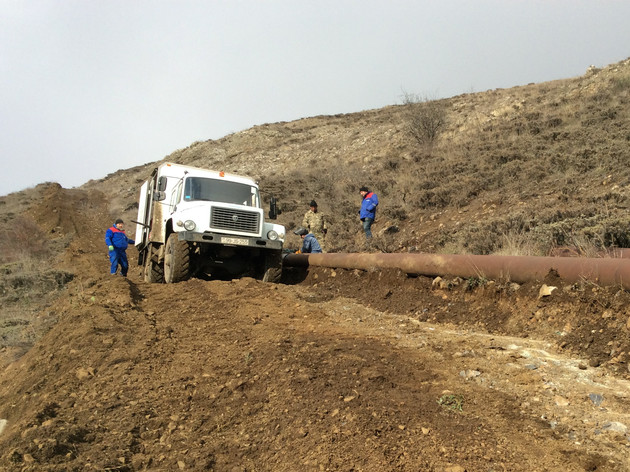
[176,260]
[273,267]
[153,271]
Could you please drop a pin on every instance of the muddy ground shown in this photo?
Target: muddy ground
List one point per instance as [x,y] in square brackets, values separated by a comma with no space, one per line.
[331,370]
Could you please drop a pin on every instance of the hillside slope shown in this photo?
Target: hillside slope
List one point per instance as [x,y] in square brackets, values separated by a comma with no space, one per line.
[517,170]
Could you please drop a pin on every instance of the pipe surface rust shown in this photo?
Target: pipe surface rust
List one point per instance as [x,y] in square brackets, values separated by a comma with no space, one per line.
[605,271]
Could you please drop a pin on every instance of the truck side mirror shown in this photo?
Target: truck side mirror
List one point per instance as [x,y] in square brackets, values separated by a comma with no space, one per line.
[273,208]
[161,186]
[159,196]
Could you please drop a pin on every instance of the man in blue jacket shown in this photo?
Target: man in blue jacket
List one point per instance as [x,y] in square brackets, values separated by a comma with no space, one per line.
[367,213]
[117,242]
[310,245]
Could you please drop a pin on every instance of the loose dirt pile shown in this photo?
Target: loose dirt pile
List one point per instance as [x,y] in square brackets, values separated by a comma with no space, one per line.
[331,370]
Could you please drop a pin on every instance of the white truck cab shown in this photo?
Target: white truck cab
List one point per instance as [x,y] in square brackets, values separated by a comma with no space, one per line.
[198,222]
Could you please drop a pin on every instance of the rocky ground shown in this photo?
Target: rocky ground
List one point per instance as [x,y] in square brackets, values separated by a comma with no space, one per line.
[330,370]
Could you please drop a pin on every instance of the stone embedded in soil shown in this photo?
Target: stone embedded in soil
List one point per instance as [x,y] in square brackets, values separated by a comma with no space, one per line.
[596,398]
[615,426]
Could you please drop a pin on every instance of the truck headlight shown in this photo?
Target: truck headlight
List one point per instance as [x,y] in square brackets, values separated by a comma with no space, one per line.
[189,225]
[272,235]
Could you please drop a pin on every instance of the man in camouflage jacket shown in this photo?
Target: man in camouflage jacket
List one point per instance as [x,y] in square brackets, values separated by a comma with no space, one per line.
[315,222]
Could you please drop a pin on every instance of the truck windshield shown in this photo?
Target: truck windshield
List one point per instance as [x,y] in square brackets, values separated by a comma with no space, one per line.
[214,190]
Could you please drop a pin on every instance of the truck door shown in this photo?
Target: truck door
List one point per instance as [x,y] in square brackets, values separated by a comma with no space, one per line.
[144,210]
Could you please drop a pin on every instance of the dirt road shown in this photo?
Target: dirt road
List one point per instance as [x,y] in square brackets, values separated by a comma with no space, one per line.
[241,375]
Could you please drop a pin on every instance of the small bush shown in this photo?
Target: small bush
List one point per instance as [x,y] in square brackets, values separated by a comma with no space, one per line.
[452,402]
[426,118]
[620,84]
[438,198]
[474,282]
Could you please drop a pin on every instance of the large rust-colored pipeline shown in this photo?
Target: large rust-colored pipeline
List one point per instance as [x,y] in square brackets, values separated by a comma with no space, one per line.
[605,271]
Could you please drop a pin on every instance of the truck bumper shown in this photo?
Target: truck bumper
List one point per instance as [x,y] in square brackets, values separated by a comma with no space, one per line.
[229,240]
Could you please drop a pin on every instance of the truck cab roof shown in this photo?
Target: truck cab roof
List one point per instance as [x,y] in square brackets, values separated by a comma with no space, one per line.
[170,169]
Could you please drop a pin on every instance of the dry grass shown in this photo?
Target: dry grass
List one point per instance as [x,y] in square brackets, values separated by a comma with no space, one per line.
[27,280]
[21,240]
[25,286]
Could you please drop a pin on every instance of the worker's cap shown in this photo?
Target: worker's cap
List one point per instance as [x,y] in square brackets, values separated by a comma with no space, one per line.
[118,221]
[301,232]
[313,203]
[363,189]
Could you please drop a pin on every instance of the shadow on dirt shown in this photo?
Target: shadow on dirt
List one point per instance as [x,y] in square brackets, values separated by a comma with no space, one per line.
[294,275]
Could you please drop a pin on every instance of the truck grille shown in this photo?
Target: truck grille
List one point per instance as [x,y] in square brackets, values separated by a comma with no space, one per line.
[234,220]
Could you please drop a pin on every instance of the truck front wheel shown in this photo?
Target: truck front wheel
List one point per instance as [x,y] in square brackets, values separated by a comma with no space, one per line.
[176,260]
[273,267]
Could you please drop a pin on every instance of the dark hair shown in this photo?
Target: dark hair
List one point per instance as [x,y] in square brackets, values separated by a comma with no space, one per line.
[313,203]
[364,189]
[118,221]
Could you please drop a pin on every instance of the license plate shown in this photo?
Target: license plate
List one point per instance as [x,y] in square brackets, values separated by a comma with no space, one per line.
[235,241]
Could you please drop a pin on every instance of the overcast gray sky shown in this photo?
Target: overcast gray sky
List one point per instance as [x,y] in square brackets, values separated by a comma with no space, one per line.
[88,87]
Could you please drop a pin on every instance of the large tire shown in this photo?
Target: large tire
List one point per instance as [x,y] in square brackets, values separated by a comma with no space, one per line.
[153,271]
[273,267]
[176,260]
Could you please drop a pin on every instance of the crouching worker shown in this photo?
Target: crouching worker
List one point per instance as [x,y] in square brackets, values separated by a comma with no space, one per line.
[310,245]
[117,242]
